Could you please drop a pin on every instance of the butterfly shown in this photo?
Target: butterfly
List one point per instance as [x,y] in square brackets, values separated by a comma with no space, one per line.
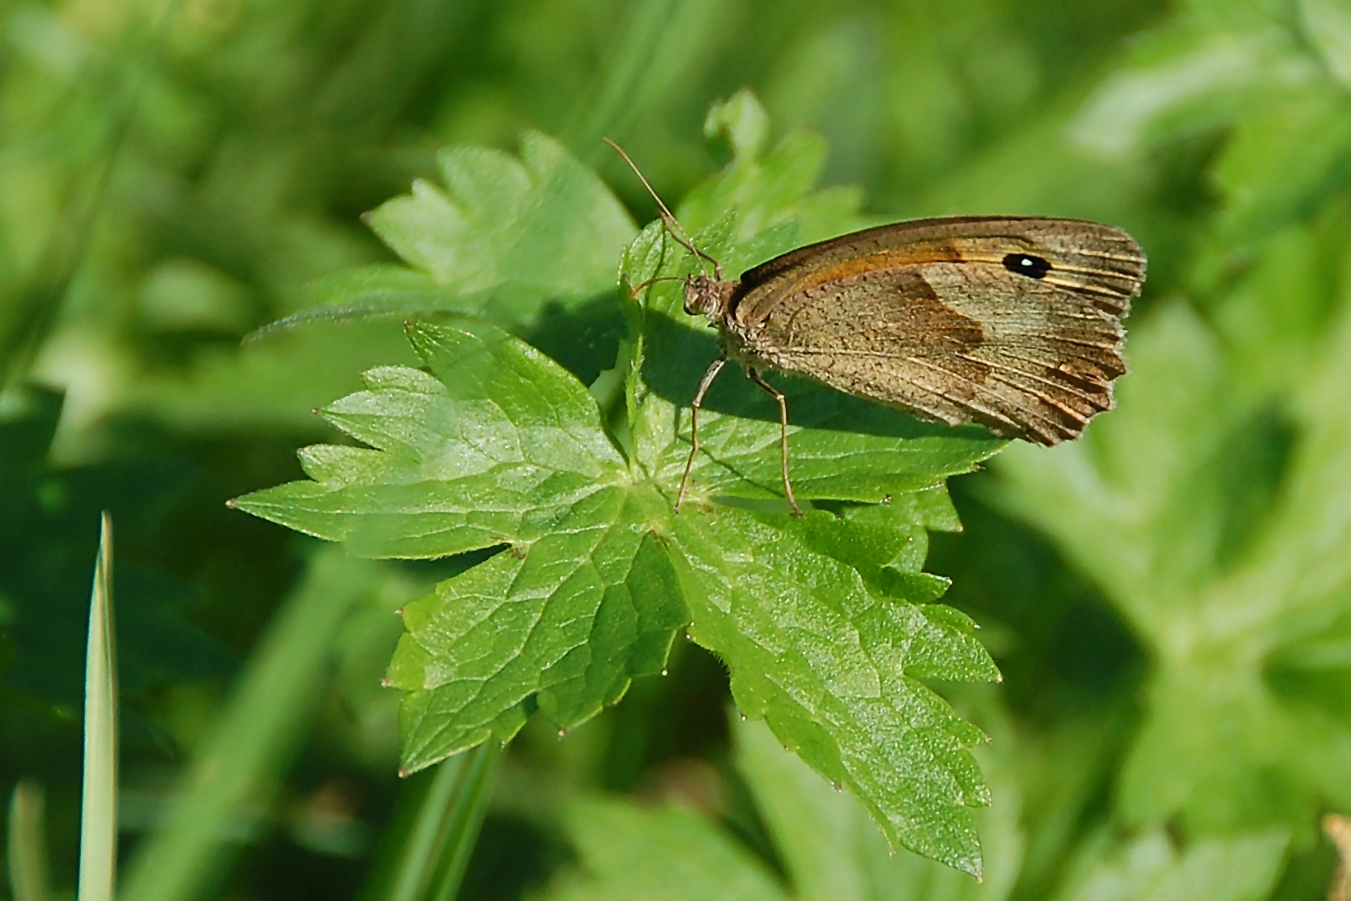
[1012,322]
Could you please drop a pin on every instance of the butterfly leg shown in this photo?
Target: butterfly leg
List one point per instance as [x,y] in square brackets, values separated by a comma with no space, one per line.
[698,402]
[775,393]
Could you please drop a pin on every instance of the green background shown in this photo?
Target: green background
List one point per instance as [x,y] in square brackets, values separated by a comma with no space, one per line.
[1169,599]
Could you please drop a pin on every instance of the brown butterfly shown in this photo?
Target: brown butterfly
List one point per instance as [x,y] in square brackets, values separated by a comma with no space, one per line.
[1008,321]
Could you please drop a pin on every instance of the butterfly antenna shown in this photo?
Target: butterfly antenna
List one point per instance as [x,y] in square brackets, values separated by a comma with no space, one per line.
[639,288]
[667,217]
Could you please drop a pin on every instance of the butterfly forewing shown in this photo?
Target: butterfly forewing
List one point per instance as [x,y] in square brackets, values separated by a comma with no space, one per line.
[1010,322]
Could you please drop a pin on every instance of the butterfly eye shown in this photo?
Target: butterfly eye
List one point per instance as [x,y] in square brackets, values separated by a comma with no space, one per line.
[1026,264]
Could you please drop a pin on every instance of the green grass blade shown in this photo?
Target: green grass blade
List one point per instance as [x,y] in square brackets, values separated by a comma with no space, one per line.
[27,849]
[442,837]
[466,817]
[98,813]
[419,863]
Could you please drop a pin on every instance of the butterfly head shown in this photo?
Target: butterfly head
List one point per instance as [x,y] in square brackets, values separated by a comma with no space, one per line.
[709,296]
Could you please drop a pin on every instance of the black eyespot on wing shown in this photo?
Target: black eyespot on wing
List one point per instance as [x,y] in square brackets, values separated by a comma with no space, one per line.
[1026,264]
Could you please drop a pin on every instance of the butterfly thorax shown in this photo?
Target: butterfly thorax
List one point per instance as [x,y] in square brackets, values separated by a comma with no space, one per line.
[708,296]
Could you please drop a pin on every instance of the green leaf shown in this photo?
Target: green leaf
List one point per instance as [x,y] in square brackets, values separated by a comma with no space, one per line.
[826,623]
[742,122]
[505,449]
[769,190]
[496,450]
[366,292]
[1240,868]
[562,627]
[833,669]
[830,849]
[502,235]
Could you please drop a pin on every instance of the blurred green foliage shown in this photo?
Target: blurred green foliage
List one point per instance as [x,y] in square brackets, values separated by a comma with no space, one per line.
[1169,599]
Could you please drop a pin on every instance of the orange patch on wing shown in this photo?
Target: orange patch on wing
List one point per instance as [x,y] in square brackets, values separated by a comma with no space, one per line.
[928,252]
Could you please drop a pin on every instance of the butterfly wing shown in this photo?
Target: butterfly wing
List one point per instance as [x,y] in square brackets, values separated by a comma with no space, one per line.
[1010,322]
